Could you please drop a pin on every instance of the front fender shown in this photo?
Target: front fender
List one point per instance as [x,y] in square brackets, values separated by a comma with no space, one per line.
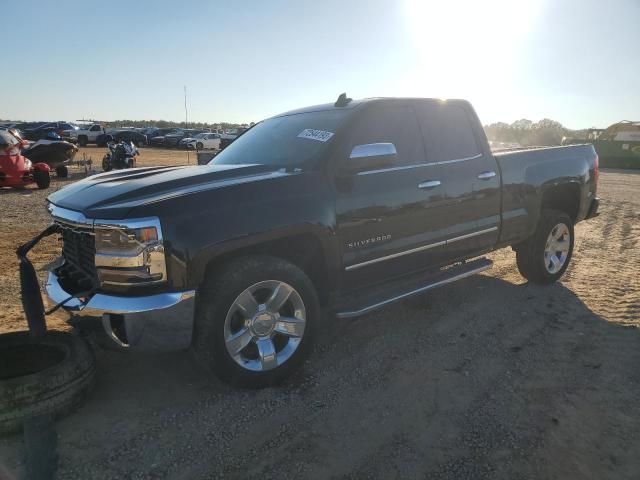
[41,167]
[280,238]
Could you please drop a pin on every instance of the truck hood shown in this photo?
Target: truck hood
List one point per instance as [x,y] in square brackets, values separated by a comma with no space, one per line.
[112,195]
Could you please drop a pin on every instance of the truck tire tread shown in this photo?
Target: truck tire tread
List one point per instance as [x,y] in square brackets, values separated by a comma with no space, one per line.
[530,253]
[218,292]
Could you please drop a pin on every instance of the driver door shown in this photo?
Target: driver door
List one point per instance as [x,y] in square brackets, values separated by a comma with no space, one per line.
[389,217]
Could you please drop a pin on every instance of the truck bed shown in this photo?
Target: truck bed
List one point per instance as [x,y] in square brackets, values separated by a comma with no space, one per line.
[528,172]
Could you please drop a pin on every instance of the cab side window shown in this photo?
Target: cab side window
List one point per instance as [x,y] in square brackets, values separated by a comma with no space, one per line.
[395,124]
[448,133]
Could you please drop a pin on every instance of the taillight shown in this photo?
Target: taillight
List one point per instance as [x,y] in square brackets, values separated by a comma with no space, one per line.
[596,173]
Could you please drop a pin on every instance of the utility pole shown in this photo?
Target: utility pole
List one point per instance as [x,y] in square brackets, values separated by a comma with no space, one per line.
[186,120]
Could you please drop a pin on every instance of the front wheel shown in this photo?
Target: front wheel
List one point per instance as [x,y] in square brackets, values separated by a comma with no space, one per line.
[545,256]
[42,178]
[255,321]
[199,146]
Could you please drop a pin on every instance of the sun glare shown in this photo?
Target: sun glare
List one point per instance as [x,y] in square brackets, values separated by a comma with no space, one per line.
[457,44]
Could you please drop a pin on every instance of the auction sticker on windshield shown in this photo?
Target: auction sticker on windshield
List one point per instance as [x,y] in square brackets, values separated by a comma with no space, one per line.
[319,135]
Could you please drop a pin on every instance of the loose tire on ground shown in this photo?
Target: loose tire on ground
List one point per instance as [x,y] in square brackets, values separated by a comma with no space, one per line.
[530,255]
[47,375]
[42,178]
[218,295]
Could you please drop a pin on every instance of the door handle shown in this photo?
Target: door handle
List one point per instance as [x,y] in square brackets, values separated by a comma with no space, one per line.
[429,184]
[486,175]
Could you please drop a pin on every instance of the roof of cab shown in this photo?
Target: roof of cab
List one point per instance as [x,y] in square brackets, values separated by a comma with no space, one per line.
[353,104]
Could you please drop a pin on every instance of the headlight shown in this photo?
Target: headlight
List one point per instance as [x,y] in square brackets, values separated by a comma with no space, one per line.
[130,253]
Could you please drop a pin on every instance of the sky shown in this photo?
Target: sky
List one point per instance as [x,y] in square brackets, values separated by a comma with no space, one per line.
[574,61]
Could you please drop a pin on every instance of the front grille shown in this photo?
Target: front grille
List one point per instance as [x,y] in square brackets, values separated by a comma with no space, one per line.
[78,251]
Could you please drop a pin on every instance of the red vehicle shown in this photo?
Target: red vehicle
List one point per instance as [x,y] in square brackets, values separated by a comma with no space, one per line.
[16,170]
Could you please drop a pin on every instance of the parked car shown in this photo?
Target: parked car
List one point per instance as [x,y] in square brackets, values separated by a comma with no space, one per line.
[173,139]
[201,141]
[230,135]
[43,130]
[158,140]
[22,127]
[346,207]
[139,139]
[16,170]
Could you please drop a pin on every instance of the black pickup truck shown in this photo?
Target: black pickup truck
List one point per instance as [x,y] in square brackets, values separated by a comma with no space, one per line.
[339,208]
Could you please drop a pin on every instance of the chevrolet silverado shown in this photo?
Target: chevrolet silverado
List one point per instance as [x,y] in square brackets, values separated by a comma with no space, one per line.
[342,208]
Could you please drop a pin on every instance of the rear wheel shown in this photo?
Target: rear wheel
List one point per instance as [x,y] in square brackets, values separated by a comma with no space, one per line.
[83,140]
[545,256]
[106,163]
[256,321]
[42,178]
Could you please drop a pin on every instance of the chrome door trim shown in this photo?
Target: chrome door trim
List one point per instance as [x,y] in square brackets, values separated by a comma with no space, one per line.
[429,184]
[420,249]
[473,234]
[392,169]
[418,165]
[486,175]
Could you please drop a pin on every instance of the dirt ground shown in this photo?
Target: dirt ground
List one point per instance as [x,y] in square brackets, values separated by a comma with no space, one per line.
[489,377]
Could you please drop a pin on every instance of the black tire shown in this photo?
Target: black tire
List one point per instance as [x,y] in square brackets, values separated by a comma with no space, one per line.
[530,255]
[42,178]
[199,146]
[83,140]
[50,375]
[62,171]
[106,164]
[216,296]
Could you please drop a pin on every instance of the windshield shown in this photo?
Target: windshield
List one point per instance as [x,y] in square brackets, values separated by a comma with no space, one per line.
[291,140]
[199,135]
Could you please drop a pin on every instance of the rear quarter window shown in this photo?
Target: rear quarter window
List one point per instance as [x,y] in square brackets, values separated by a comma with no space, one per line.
[448,132]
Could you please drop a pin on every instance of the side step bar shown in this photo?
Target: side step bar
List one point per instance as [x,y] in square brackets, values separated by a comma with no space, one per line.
[427,282]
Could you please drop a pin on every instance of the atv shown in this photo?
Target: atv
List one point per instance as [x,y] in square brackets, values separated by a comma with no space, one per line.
[16,170]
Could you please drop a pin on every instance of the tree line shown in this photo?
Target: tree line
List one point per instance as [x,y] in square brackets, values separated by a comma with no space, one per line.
[527,133]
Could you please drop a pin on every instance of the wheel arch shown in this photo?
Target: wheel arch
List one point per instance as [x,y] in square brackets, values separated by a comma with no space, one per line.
[564,197]
[306,249]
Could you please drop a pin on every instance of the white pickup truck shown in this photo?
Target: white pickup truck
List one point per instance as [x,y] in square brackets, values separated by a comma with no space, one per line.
[87,134]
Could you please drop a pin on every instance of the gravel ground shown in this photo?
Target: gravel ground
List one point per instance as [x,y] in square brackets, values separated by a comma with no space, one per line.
[489,377]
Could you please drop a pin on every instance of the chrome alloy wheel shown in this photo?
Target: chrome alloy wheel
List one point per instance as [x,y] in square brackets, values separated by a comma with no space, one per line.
[265,325]
[556,249]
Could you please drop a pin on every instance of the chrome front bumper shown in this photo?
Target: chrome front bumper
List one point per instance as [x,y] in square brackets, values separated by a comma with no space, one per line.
[154,322]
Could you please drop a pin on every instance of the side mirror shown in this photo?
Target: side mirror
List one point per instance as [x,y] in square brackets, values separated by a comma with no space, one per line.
[371,156]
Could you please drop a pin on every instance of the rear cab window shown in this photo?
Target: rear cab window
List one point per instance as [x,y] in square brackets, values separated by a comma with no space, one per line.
[448,132]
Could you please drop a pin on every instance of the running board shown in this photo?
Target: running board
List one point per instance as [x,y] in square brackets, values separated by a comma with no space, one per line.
[363,304]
